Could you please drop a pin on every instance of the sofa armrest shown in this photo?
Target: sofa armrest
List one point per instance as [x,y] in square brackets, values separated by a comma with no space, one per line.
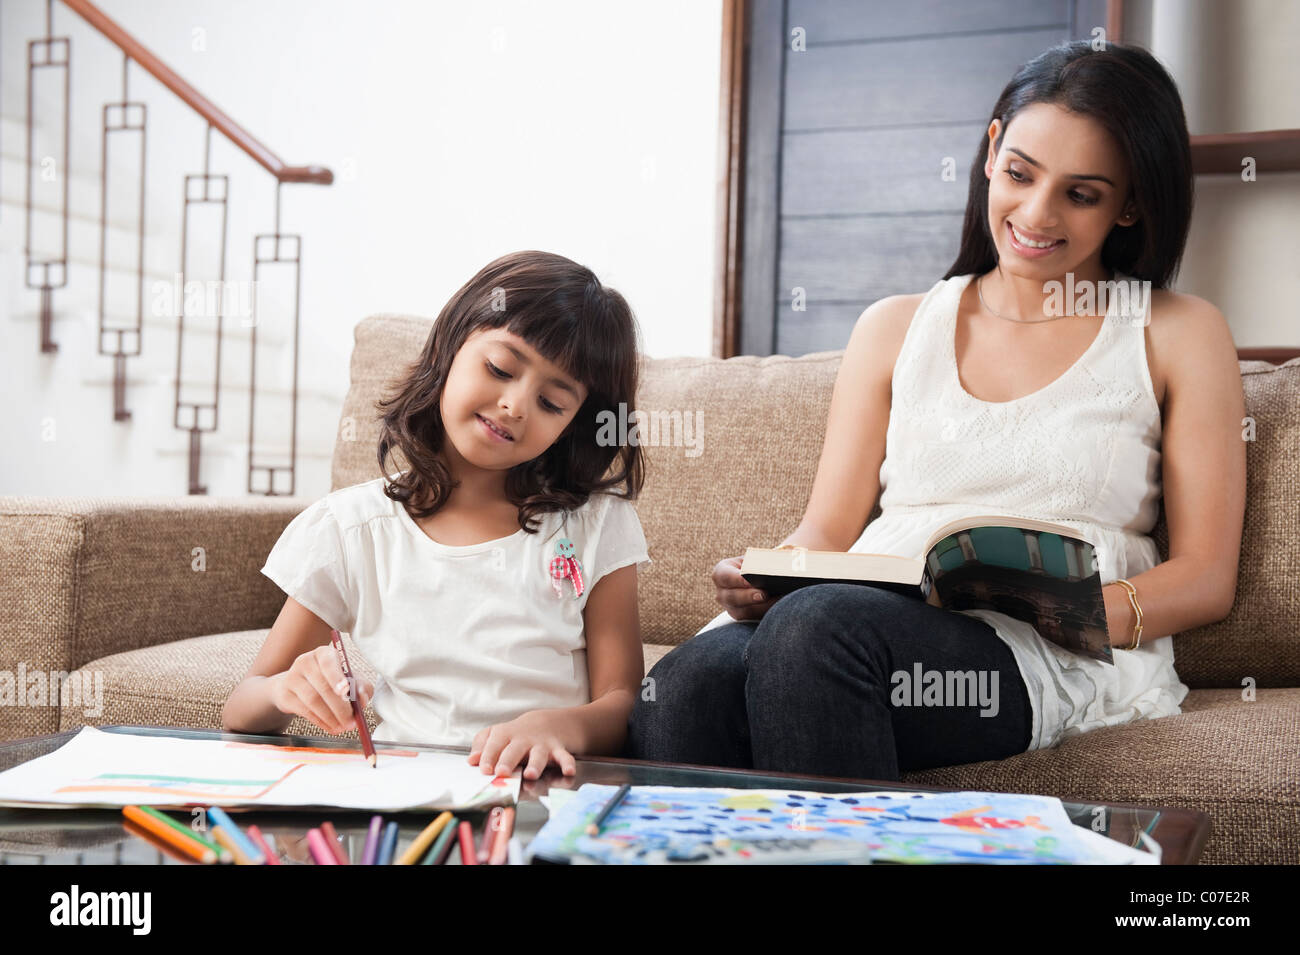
[84,578]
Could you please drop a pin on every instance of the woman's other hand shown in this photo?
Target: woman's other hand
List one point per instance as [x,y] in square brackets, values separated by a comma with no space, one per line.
[737,595]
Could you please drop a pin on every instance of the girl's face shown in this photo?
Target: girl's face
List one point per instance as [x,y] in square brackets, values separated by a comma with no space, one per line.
[1060,182]
[498,377]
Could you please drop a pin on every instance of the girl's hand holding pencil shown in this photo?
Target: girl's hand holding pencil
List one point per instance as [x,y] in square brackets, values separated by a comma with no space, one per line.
[542,737]
[315,688]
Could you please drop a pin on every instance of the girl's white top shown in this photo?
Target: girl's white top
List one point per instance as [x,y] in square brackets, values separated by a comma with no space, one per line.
[461,637]
[1084,451]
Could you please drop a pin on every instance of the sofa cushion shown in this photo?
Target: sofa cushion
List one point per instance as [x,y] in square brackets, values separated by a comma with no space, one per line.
[1259,639]
[763,421]
[186,683]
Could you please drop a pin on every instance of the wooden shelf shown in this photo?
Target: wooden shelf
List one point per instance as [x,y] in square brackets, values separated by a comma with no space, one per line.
[1274,150]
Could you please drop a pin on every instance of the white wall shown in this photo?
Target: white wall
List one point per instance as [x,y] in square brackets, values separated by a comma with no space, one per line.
[1236,67]
[457,132]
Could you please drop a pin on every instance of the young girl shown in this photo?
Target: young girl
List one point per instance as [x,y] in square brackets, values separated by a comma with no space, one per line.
[988,396]
[492,583]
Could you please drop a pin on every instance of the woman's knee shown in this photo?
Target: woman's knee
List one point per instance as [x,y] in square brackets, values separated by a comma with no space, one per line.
[814,625]
[698,668]
[691,706]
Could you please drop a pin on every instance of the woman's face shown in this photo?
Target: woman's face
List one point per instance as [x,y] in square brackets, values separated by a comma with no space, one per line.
[497,376]
[1060,182]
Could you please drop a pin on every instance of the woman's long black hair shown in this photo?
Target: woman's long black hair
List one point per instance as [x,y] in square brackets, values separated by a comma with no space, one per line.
[1127,91]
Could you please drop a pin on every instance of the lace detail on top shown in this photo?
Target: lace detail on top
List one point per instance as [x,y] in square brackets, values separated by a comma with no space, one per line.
[1085,448]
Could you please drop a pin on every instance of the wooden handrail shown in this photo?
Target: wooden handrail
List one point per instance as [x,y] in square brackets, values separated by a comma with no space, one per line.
[165,75]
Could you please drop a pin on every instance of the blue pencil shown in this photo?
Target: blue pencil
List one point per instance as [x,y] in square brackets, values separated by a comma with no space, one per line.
[219,818]
[389,845]
[372,841]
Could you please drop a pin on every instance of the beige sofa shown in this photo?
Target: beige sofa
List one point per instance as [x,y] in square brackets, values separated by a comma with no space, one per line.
[111,587]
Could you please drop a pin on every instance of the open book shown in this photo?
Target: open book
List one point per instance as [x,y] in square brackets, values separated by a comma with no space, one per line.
[1035,571]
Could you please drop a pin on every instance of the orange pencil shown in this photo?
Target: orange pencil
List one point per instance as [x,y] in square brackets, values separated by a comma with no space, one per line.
[367,746]
[158,844]
[169,835]
[230,845]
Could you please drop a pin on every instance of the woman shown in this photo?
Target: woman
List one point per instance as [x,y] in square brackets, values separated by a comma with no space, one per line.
[979,397]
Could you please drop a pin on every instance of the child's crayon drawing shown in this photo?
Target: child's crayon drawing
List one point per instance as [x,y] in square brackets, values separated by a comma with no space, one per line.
[96,768]
[897,826]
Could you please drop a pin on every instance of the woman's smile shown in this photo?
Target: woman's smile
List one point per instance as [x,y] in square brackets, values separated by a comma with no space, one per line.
[1020,243]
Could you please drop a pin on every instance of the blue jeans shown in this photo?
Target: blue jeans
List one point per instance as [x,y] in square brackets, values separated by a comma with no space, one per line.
[839,680]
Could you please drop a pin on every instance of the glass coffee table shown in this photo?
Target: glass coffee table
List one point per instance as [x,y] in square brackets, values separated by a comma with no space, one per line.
[96,837]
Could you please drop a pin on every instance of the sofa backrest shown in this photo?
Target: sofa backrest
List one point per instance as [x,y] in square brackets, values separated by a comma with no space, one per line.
[741,474]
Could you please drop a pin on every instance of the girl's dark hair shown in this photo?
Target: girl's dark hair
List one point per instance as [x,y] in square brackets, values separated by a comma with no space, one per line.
[1127,91]
[560,308]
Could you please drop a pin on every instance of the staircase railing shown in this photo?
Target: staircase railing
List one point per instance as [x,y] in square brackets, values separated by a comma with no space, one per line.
[47,273]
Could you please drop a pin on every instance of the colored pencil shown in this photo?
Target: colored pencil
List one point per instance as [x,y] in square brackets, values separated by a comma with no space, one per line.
[156,843]
[217,816]
[467,854]
[363,731]
[371,848]
[389,845]
[255,834]
[222,854]
[425,839]
[505,830]
[491,826]
[441,848]
[227,841]
[167,834]
[593,828]
[334,842]
[321,853]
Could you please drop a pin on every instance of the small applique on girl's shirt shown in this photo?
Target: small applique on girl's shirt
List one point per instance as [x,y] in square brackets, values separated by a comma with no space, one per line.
[565,564]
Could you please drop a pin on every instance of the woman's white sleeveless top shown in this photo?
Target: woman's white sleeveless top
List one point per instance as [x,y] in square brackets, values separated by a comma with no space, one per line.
[1084,451]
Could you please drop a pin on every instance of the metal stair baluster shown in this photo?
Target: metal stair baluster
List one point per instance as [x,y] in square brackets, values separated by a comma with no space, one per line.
[274,240]
[119,355]
[195,426]
[49,45]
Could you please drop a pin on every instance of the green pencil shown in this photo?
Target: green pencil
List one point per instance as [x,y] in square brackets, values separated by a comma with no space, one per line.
[221,851]
[438,851]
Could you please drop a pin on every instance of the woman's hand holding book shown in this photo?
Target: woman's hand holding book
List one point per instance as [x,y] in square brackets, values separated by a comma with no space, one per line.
[737,596]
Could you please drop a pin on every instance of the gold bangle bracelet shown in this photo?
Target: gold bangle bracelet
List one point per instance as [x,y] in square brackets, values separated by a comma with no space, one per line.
[1137,610]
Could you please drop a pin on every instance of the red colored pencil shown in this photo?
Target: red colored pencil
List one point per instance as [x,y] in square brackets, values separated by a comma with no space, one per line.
[501,847]
[321,853]
[367,746]
[467,854]
[491,826]
[259,840]
[332,838]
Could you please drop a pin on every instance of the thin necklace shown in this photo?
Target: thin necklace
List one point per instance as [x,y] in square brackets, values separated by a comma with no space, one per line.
[979,283]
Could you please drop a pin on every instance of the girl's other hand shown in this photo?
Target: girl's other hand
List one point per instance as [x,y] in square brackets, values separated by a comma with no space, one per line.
[315,688]
[736,594]
[539,737]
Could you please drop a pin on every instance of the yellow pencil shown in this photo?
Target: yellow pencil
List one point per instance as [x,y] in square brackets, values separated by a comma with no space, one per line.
[229,844]
[416,850]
